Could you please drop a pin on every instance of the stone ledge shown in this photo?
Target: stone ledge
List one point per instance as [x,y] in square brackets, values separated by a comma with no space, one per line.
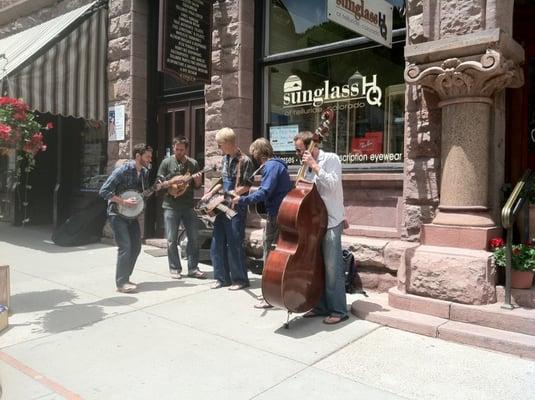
[489,338]
[376,309]
[518,320]
[519,297]
[423,305]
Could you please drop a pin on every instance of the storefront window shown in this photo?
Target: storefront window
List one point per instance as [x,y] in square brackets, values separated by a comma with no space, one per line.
[299,24]
[364,88]
[93,160]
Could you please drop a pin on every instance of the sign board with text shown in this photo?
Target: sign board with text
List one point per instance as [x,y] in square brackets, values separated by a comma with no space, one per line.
[370,18]
[185,39]
[282,137]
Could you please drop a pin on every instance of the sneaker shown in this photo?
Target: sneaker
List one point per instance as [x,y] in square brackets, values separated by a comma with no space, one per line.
[175,274]
[127,288]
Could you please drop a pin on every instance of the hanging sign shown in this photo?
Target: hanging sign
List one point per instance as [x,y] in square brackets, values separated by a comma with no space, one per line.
[370,18]
[185,37]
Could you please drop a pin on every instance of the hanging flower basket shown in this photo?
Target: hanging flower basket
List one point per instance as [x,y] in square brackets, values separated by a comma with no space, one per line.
[20,132]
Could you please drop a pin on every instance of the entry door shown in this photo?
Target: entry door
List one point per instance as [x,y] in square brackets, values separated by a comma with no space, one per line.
[179,119]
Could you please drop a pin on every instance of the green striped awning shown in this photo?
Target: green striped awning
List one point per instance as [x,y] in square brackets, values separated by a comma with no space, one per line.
[60,66]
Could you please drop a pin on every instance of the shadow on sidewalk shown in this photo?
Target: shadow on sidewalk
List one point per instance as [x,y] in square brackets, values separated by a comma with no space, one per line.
[38,238]
[63,313]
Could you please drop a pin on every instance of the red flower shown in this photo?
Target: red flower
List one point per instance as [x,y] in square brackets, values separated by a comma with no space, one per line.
[496,242]
[19,115]
[6,129]
[50,125]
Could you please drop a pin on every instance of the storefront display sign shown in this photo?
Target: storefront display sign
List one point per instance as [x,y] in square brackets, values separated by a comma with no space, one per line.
[282,137]
[361,87]
[371,18]
[184,48]
[116,122]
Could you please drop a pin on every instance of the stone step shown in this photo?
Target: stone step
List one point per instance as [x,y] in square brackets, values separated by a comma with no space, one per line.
[518,320]
[519,297]
[376,309]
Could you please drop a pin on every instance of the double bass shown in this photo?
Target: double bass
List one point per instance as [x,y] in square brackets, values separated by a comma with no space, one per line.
[294,274]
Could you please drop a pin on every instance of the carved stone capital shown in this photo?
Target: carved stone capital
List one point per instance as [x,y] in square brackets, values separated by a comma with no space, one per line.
[455,79]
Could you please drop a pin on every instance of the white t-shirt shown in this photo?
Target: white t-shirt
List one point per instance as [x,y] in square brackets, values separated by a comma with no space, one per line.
[329,184]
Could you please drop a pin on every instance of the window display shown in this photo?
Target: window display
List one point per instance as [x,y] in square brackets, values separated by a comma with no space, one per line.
[364,88]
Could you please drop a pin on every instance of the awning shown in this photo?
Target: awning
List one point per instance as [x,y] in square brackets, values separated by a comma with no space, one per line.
[60,66]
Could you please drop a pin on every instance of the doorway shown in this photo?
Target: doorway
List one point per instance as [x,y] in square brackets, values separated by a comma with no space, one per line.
[181,118]
[520,135]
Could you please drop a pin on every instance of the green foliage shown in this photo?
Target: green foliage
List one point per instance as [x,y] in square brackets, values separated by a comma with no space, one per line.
[522,258]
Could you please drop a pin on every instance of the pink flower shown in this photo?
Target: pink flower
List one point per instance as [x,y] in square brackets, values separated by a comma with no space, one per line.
[5,128]
[50,125]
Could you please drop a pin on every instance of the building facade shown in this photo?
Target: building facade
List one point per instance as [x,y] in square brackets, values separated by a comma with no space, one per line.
[428,128]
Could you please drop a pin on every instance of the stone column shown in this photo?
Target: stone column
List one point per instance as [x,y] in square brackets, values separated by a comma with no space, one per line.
[465,88]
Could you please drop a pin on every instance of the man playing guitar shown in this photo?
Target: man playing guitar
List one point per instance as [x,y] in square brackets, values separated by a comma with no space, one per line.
[132,175]
[178,207]
[226,250]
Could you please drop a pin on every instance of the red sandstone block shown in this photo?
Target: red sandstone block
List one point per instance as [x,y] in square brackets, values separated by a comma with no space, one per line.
[493,316]
[419,304]
[378,311]
[489,338]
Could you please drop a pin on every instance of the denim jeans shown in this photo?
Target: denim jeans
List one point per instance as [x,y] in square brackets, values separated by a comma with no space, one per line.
[333,300]
[172,219]
[226,250]
[271,233]
[128,238]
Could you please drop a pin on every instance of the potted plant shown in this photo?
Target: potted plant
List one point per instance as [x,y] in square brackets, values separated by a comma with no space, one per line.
[20,140]
[20,132]
[522,262]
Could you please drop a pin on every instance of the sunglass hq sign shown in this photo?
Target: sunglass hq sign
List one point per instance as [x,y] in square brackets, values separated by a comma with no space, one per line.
[371,18]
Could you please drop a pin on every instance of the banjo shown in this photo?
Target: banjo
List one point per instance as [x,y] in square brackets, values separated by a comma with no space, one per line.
[132,212]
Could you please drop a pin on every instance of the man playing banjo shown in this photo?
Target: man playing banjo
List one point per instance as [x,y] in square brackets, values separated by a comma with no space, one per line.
[132,175]
[182,174]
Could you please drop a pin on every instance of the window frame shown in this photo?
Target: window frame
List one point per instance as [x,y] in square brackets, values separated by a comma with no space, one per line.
[267,60]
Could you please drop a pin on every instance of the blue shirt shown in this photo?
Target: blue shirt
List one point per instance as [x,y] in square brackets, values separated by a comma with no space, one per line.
[123,178]
[274,186]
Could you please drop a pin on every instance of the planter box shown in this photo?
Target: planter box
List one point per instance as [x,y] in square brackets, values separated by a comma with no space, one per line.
[3,318]
[4,285]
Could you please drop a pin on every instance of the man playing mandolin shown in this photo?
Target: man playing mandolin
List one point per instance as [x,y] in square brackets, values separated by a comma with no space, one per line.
[132,175]
[182,176]
[325,170]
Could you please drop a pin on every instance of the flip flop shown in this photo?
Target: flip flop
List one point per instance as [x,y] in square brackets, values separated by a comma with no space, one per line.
[335,319]
[263,305]
[311,314]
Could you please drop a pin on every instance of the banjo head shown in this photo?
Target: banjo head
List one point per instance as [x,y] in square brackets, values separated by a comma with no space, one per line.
[131,212]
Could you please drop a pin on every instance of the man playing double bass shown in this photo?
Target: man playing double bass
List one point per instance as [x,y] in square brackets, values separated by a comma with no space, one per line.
[325,170]
[178,207]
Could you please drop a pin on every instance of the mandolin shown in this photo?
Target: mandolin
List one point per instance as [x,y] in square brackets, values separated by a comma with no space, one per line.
[179,184]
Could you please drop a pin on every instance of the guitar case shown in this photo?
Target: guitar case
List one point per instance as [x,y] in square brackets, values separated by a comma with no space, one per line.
[83,227]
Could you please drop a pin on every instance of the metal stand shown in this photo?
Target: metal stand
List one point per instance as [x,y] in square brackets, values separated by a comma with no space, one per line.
[287,324]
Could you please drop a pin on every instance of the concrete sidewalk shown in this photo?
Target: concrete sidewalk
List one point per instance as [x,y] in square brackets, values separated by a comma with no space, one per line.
[72,336]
